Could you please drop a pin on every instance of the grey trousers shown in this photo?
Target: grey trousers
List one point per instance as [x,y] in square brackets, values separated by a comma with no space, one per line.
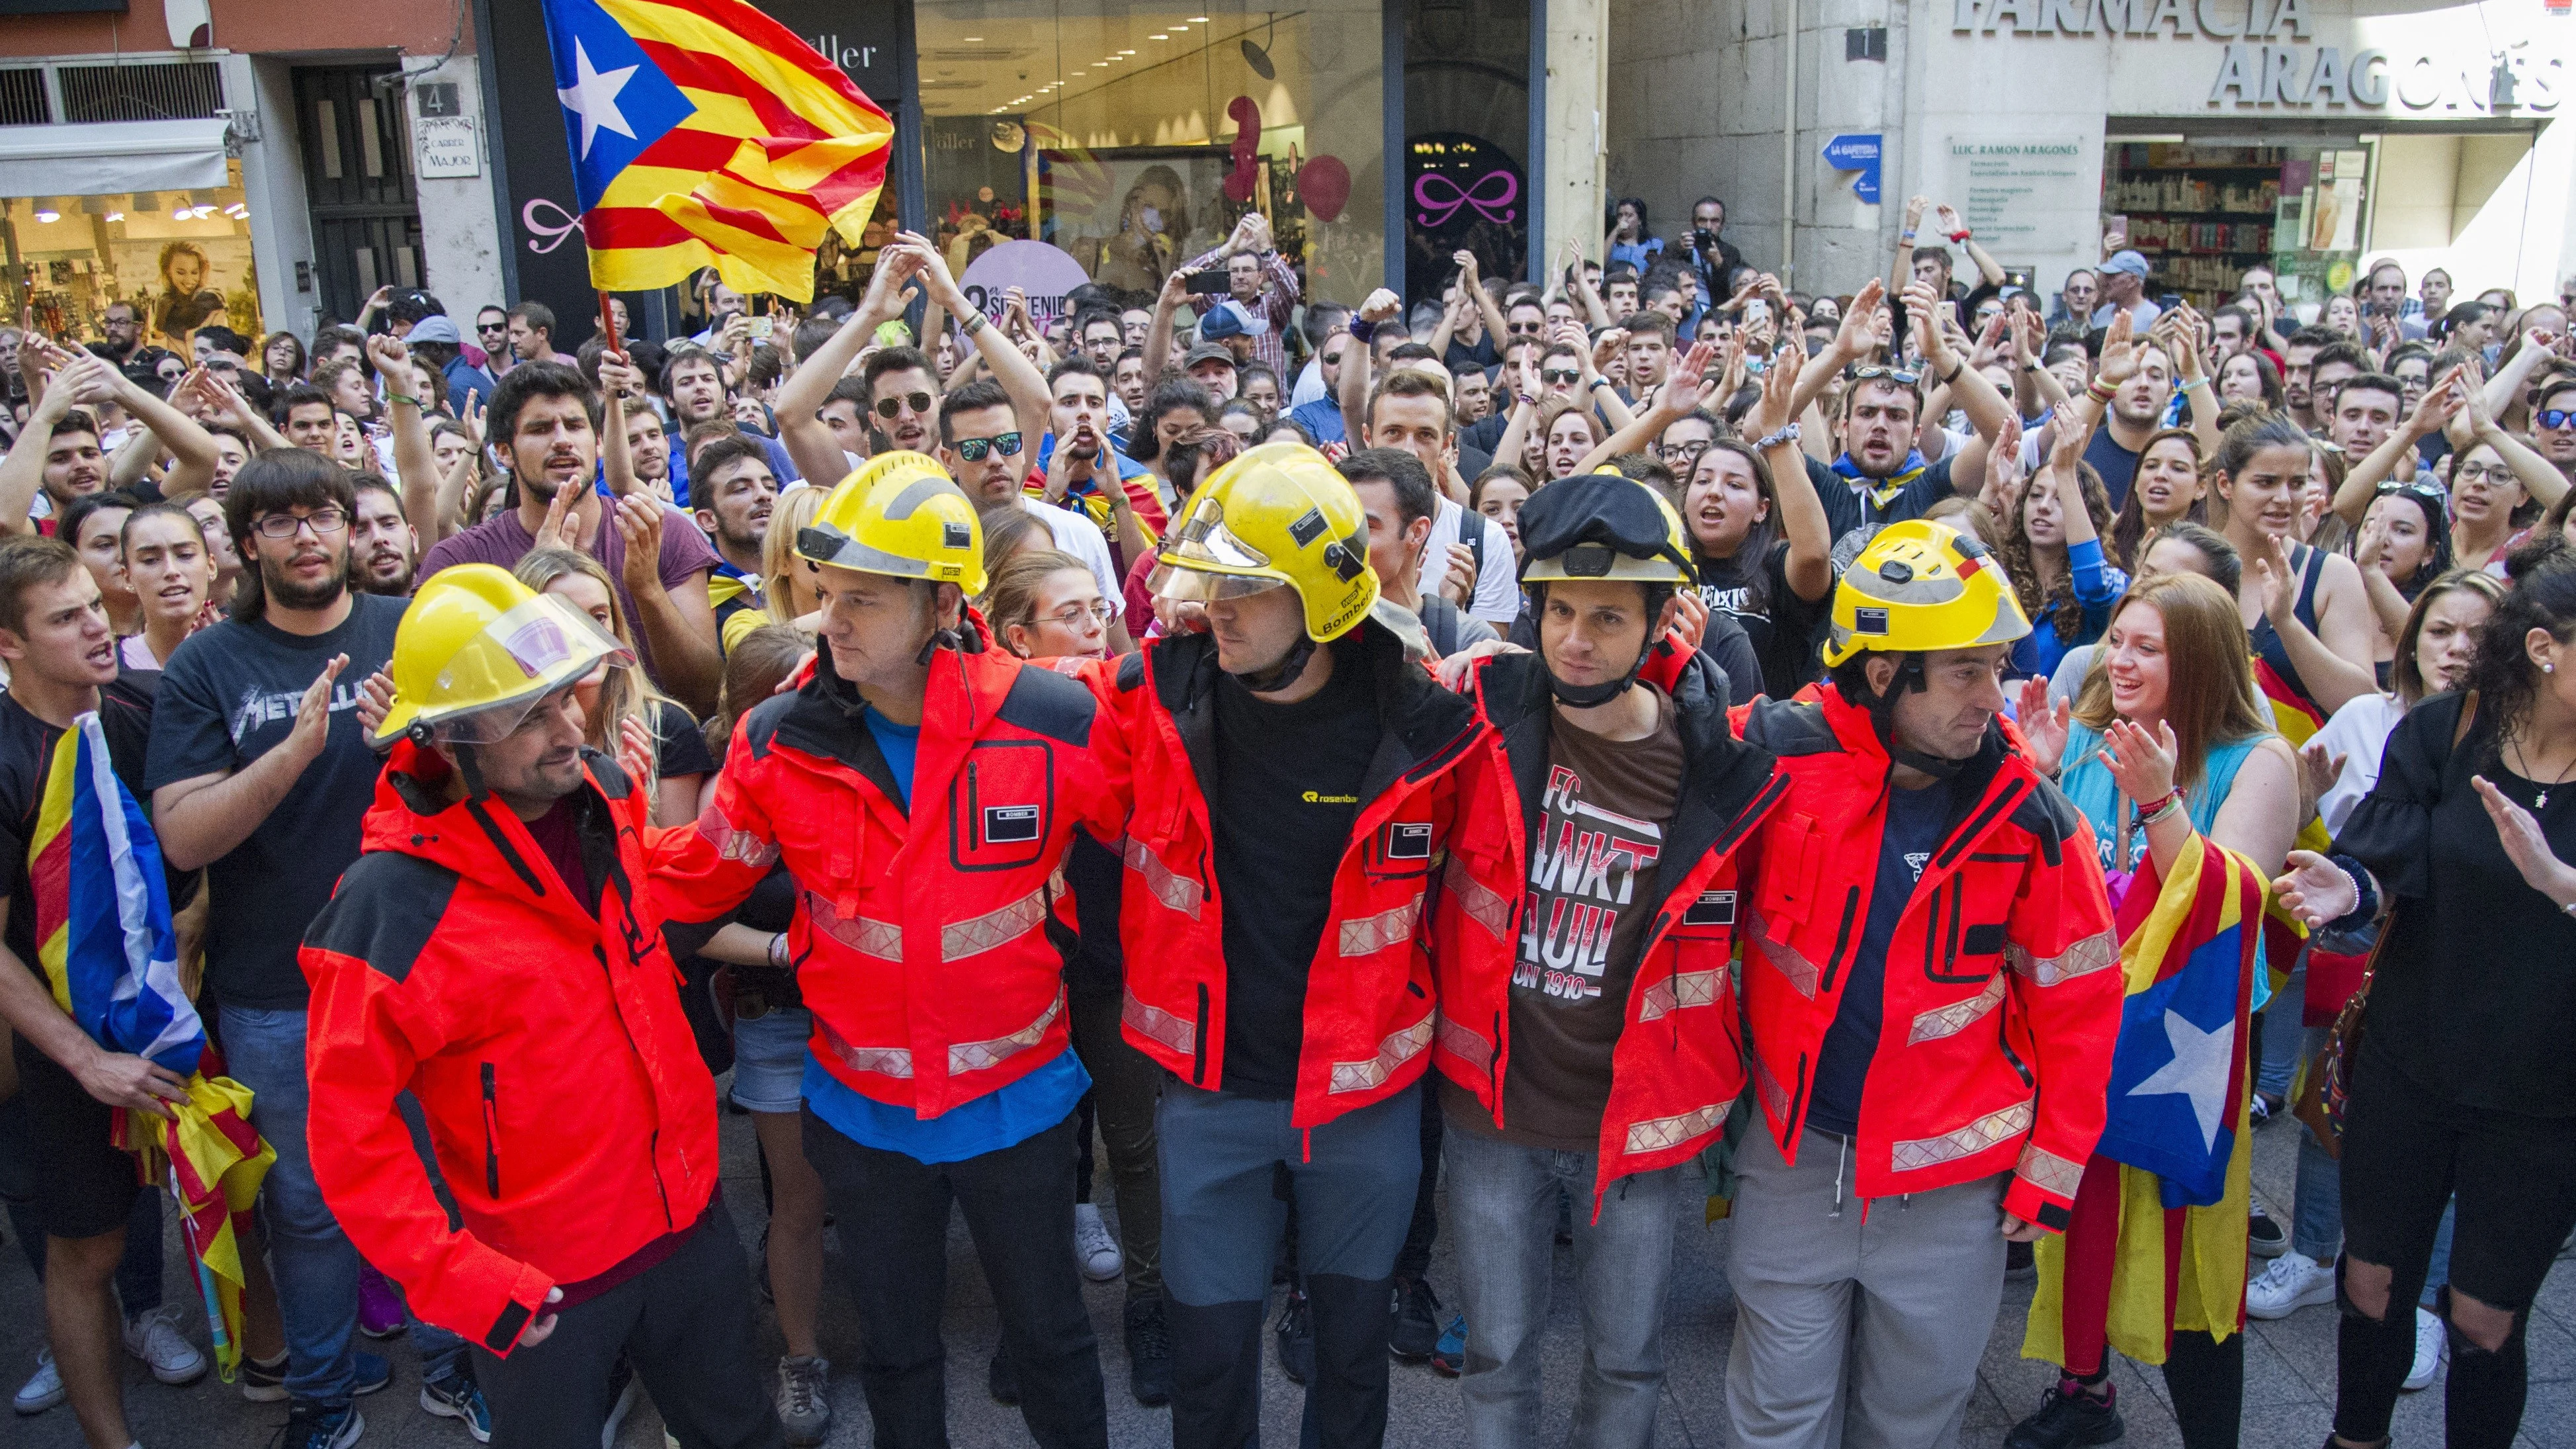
[1857,1331]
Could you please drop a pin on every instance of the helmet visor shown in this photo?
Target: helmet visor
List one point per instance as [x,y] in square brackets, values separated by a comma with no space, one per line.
[1173,581]
[1204,540]
[547,644]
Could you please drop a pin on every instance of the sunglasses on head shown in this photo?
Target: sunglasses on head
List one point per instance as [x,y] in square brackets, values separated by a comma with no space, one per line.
[1905,375]
[890,407]
[974,449]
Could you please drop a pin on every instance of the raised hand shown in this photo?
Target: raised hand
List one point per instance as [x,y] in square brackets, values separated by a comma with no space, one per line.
[2318,771]
[2142,763]
[1682,385]
[2315,890]
[312,727]
[1771,412]
[550,533]
[2044,725]
[639,522]
[1381,305]
[2525,846]
[1858,331]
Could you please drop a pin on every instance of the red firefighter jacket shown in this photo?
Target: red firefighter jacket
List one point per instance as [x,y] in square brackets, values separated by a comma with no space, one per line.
[1369,1005]
[1679,1062]
[2002,997]
[541,1031]
[919,937]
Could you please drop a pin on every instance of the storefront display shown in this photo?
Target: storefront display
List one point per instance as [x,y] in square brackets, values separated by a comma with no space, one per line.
[183,258]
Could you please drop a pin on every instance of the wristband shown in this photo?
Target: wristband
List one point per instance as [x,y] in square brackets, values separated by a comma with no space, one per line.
[1597,381]
[1961,236]
[395,397]
[1906,235]
[2099,393]
[1955,369]
[975,322]
[1769,441]
[778,951]
[2033,366]
[2171,802]
[1362,329]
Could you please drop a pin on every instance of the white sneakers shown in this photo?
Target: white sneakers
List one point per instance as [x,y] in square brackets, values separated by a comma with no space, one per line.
[2289,1283]
[1093,1246]
[2432,1345]
[44,1390]
[156,1340]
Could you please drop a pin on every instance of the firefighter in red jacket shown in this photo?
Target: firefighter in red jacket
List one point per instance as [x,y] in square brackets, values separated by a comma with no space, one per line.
[1931,996]
[922,786]
[1293,772]
[491,954]
[1594,1047]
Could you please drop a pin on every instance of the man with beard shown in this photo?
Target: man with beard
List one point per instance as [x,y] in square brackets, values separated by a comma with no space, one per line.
[260,774]
[2135,381]
[124,328]
[382,546]
[58,452]
[1881,478]
[2298,362]
[1123,504]
[736,492]
[693,382]
[549,423]
[648,451]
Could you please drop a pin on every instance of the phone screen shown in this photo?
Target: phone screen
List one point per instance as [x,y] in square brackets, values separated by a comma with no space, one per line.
[1210,282]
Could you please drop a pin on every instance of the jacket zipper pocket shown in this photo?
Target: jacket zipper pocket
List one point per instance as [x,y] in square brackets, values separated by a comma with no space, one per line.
[491,1134]
[1198,1042]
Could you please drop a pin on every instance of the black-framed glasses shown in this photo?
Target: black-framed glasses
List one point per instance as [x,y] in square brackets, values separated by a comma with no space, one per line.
[325,522]
[1558,374]
[488,328]
[2494,477]
[892,407]
[2555,418]
[974,449]
[1681,452]
[1099,611]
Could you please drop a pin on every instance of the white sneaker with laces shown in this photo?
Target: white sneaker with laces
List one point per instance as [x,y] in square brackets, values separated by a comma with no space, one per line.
[1093,1245]
[156,1340]
[2432,1345]
[2291,1282]
[44,1390]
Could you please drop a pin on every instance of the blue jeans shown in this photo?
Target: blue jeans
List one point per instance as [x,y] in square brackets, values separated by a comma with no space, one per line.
[315,1268]
[2282,1035]
[1502,1215]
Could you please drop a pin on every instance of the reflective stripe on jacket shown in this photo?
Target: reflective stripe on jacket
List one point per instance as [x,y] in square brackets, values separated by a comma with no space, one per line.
[919,939]
[2002,989]
[1369,1005]
[1679,1062]
[571,1115]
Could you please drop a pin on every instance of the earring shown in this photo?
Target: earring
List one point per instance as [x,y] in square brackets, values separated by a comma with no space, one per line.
[2549,669]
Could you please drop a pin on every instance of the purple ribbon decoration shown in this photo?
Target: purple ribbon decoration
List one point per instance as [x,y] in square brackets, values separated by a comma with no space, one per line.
[1491,195]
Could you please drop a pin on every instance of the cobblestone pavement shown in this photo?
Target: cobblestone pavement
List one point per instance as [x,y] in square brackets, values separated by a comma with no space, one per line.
[2288,1399]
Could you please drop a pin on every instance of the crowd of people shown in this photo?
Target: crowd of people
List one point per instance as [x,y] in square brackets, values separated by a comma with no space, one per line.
[1494,768]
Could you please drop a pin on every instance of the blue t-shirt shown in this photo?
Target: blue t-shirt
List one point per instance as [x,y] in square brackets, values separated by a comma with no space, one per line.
[989,1123]
[781,467]
[1323,418]
[1914,822]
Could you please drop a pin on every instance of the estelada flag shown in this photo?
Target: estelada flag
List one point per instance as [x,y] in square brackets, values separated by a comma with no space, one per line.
[2188,945]
[104,940]
[704,132]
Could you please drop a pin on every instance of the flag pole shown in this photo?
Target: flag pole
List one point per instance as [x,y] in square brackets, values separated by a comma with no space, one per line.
[608,326]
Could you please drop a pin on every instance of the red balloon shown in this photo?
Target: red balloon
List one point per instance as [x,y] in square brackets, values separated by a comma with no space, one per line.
[1325,184]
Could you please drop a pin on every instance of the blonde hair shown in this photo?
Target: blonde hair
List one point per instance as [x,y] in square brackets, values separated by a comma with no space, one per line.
[2209,663]
[779,561]
[627,693]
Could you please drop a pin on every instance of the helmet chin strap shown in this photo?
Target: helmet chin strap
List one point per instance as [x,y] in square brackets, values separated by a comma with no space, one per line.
[1586,696]
[1279,676]
[1882,715]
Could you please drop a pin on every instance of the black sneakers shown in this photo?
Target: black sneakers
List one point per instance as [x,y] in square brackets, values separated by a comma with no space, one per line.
[2069,1417]
[1149,1353]
[1414,1329]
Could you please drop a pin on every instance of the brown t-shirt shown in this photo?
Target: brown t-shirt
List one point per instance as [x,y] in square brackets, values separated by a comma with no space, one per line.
[1605,808]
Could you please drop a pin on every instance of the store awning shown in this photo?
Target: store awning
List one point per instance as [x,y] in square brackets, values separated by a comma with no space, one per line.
[109,157]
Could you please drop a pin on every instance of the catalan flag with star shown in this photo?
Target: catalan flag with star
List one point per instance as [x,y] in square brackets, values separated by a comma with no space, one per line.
[705,133]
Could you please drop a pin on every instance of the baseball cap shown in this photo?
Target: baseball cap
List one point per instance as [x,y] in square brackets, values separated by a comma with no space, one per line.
[2129,262]
[434,328]
[1207,352]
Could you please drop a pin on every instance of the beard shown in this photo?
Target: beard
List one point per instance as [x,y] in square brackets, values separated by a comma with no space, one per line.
[287,593]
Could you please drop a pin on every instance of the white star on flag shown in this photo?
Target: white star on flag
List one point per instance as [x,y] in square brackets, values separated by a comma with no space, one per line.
[593,97]
[2198,1070]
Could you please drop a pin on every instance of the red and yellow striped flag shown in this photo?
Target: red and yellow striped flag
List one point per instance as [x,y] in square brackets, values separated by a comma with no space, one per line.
[703,132]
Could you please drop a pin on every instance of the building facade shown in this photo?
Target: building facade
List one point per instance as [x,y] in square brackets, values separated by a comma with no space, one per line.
[2308,136]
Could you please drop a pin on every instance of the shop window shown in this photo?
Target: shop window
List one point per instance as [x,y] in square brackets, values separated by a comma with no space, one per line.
[181,258]
[2203,215]
[1132,139]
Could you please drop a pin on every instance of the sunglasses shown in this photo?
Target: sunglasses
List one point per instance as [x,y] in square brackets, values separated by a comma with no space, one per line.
[1557,374]
[491,326]
[1524,329]
[974,449]
[891,407]
[2555,418]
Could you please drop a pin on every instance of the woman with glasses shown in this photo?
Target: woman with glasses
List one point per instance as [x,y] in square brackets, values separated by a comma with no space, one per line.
[281,359]
[1046,606]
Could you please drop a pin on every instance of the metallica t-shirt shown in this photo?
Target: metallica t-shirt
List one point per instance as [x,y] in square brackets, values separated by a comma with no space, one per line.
[1591,871]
